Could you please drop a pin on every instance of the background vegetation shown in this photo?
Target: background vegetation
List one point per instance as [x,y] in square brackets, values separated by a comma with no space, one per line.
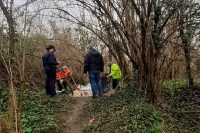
[156,44]
[40,112]
[124,112]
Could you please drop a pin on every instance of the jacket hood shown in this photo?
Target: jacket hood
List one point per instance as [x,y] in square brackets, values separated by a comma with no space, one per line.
[95,53]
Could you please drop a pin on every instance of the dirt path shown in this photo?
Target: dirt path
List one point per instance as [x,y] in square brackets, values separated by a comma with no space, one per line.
[70,117]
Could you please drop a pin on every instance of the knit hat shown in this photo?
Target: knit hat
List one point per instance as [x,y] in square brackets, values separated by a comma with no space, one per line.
[90,47]
[65,67]
[50,47]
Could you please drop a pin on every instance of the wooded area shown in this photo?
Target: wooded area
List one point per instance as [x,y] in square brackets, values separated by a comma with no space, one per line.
[152,41]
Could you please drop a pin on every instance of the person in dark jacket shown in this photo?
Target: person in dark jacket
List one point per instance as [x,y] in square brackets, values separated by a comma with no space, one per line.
[94,67]
[49,65]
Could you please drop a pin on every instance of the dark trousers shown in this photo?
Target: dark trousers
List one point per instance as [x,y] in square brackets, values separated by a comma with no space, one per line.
[115,83]
[60,86]
[50,83]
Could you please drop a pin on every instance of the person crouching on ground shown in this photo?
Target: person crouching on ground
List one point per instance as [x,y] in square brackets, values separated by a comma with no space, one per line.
[61,74]
[94,66]
[115,73]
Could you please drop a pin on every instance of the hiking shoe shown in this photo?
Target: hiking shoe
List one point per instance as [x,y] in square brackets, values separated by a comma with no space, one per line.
[94,97]
[100,95]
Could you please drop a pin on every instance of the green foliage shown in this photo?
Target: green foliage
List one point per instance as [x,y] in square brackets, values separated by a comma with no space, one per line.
[3,97]
[197,63]
[156,128]
[39,111]
[183,115]
[123,112]
[197,82]
[7,55]
[175,83]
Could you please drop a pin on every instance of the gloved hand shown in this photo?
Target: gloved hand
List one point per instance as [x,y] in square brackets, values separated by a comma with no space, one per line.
[61,81]
[59,62]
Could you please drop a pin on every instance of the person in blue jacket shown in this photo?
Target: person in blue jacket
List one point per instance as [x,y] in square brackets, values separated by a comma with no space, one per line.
[49,65]
[94,67]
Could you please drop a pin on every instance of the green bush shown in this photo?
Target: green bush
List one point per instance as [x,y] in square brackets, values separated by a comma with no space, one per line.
[121,113]
[124,112]
[3,97]
[39,113]
[174,83]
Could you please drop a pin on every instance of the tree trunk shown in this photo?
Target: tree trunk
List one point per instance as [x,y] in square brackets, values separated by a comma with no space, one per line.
[4,123]
[12,100]
[186,48]
[11,106]
[10,24]
[20,103]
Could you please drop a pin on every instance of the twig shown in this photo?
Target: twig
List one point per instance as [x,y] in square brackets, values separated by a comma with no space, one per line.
[121,81]
[69,120]
[198,111]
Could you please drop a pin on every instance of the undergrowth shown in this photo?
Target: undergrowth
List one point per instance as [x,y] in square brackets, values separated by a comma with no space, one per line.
[123,112]
[39,111]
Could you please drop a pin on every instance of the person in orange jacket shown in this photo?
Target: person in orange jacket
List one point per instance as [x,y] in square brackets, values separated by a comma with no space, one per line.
[61,74]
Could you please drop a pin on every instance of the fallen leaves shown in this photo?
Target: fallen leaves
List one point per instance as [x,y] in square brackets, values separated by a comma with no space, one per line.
[91,121]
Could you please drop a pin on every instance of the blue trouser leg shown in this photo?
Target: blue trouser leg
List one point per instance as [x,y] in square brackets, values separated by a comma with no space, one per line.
[94,77]
[97,77]
[92,83]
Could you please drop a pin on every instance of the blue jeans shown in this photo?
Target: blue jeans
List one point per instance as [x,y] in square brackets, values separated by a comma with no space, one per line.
[94,77]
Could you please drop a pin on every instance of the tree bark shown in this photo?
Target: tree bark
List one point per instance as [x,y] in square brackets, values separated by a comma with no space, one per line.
[5,124]
[12,101]
[10,21]
[186,48]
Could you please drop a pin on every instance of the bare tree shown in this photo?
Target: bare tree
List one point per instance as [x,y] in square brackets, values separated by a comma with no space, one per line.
[12,107]
[141,30]
[188,22]
[15,67]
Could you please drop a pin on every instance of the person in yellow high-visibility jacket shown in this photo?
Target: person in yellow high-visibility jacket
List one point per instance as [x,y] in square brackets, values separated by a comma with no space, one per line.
[115,73]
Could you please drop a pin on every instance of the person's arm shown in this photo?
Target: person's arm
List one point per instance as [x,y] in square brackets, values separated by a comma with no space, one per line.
[67,72]
[111,72]
[114,70]
[58,75]
[52,59]
[102,65]
[86,64]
